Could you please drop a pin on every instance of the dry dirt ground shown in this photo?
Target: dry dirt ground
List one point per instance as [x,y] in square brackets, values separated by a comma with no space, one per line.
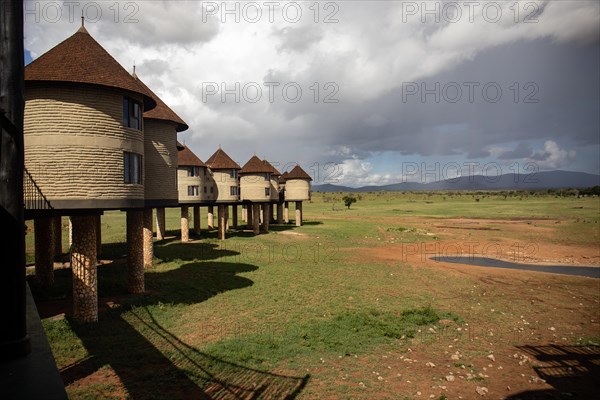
[544,345]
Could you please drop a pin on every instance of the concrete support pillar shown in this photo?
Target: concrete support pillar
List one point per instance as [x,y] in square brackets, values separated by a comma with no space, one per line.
[57,225]
[98,235]
[234,216]
[148,243]
[244,213]
[185,224]
[135,251]
[286,212]
[44,251]
[160,223]
[261,214]
[210,217]
[298,213]
[226,218]
[221,216]
[256,218]
[250,214]
[266,217]
[271,213]
[279,213]
[83,267]
[197,220]
[70,233]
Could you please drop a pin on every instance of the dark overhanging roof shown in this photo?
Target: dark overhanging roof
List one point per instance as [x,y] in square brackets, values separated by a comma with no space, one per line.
[80,59]
[220,160]
[297,173]
[255,166]
[187,158]
[274,170]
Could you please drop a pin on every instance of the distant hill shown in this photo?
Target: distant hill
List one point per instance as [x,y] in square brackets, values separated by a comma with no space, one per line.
[539,180]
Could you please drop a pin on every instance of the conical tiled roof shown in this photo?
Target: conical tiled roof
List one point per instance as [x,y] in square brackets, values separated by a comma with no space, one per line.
[80,59]
[298,173]
[273,171]
[161,111]
[255,166]
[283,177]
[220,160]
[186,158]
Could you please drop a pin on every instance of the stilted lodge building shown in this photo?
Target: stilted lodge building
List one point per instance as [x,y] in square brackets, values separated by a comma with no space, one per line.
[161,125]
[225,175]
[297,185]
[96,139]
[275,174]
[195,180]
[84,127]
[255,181]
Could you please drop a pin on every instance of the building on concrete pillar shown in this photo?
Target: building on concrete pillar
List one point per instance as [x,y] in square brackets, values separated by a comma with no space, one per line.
[78,95]
[255,186]
[297,185]
[113,147]
[274,181]
[275,189]
[195,180]
[161,155]
[255,181]
[225,174]
[92,108]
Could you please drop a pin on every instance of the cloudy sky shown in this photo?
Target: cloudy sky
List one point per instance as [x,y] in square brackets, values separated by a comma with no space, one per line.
[362,92]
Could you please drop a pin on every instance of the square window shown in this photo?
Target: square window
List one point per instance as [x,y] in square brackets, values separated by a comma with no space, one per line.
[193,190]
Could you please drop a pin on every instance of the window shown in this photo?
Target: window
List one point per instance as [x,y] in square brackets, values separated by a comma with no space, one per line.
[212,189]
[132,114]
[193,190]
[132,168]
[233,174]
[233,190]
[267,192]
[193,171]
[204,169]
[267,176]
[204,189]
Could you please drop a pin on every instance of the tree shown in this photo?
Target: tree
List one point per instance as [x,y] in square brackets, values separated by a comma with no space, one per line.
[348,200]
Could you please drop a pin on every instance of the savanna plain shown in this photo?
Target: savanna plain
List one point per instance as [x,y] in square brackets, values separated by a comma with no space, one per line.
[351,305]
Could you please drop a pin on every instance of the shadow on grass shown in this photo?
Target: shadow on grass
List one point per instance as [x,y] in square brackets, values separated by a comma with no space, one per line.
[572,371]
[153,363]
[150,361]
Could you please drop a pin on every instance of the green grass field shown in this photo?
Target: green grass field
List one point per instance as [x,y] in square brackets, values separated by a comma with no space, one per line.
[298,311]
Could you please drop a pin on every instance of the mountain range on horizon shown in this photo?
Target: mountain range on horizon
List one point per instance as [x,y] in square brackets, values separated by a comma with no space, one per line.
[539,180]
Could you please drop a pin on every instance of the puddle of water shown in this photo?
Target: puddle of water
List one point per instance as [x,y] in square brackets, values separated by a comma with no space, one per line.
[592,272]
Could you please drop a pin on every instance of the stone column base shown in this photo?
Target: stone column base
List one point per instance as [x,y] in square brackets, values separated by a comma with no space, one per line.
[83,267]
